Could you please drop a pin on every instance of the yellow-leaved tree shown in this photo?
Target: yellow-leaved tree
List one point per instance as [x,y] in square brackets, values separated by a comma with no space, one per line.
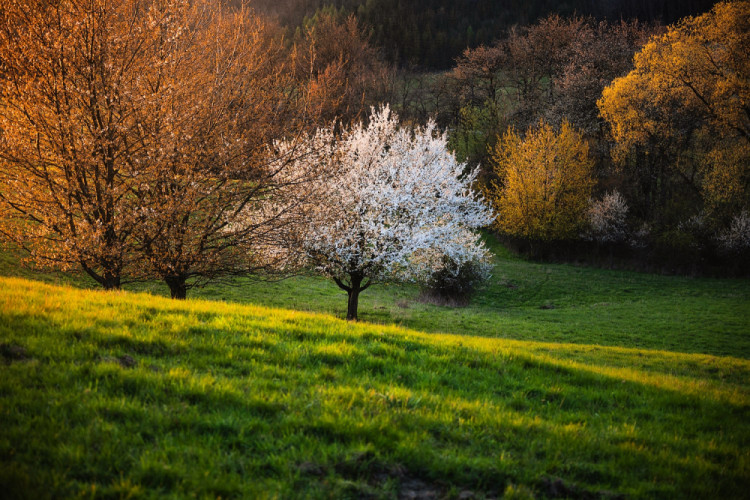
[545,181]
[690,88]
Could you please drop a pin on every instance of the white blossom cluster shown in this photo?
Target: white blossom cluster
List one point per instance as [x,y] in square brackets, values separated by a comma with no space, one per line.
[392,204]
[606,219]
[737,236]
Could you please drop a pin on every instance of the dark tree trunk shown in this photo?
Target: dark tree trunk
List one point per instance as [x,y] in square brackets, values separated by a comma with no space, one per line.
[351,310]
[111,282]
[353,290]
[177,286]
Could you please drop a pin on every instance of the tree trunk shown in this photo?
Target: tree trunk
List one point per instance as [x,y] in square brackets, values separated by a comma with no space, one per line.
[351,310]
[108,280]
[111,282]
[353,290]
[177,286]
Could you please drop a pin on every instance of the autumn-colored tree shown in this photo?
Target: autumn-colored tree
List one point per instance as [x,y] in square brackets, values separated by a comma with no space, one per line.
[545,181]
[226,94]
[223,197]
[72,99]
[137,132]
[699,65]
[686,99]
[600,53]
[726,187]
[333,56]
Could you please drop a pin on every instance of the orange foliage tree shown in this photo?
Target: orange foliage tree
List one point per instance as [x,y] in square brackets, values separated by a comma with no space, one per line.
[135,136]
[691,88]
[334,57]
[227,94]
[72,98]
[544,185]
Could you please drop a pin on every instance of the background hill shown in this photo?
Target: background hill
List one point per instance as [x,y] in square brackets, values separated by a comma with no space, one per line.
[430,34]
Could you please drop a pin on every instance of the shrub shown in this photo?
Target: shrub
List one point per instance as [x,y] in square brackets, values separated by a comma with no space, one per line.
[606,219]
[641,237]
[544,183]
[453,282]
[737,236]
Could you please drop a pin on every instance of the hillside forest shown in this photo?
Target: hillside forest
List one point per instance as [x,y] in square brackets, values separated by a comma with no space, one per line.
[639,83]
[188,142]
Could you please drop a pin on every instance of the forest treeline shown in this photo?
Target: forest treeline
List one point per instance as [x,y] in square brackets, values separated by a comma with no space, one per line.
[652,120]
[179,141]
[429,34]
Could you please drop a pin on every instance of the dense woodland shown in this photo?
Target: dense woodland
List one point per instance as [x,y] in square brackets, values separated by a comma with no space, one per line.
[430,34]
[659,108]
[180,141]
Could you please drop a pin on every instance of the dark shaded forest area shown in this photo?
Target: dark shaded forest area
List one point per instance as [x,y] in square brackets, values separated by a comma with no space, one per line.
[430,34]
[618,142]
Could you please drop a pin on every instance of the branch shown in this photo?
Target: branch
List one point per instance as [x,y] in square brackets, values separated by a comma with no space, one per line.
[342,285]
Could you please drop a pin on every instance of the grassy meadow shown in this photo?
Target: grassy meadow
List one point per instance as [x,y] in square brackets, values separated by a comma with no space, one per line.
[556,382]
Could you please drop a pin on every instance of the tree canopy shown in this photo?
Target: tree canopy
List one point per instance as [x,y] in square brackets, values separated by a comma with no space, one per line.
[394,202]
[430,34]
[545,182]
[688,99]
[134,133]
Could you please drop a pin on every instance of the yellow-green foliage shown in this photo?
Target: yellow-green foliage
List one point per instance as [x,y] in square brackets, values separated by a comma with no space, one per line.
[694,77]
[545,182]
[699,67]
[117,394]
[726,189]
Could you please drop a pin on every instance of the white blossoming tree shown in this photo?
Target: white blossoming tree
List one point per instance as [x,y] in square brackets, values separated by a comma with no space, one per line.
[607,219]
[395,202]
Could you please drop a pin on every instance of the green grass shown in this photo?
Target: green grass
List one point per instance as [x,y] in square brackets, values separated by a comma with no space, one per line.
[546,302]
[118,395]
[557,380]
[523,301]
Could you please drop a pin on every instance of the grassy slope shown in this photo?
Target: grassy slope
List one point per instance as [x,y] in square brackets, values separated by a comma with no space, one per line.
[542,302]
[548,302]
[523,301]
[229,400]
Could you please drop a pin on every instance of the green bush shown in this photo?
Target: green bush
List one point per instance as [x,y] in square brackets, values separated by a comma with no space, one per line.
[454,283]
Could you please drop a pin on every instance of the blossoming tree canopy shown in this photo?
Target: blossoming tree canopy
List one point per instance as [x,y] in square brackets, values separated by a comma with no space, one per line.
[395,199]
